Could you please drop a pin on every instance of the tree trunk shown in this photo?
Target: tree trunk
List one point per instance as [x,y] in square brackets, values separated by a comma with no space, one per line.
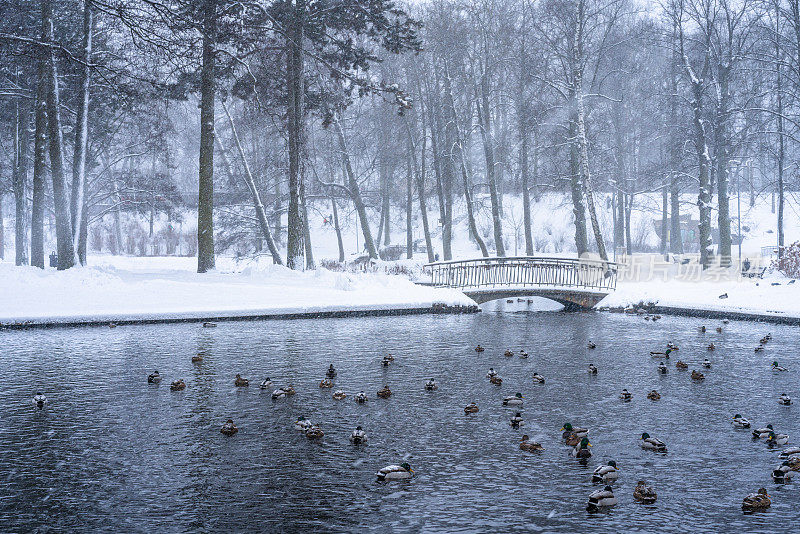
[409,206]
[448,164]
[578,208]
[704,194]
[664,220]
[338,230]
[66,252]
[675,238]
[21,141]
[294,81]
[78,196]
[205,203]
[484,125]
[39,169]
[310,265]
[419,173]
[722,156]
[526,195]
[628,199]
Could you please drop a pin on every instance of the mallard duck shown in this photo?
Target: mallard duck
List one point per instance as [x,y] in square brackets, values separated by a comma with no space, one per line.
[279,393]
[523,354]
[496,380]
[606,473]
[764,340]
[568,430]
[39,400]
[791,451]
[783,473]
[326,383]
[581,450]
[396,472]
[539,379]
[386,361]
[289,389]
[625,395]
[154,378]
[592,369]
[339,394]
[680,365]
[785,399]
[314,432]
[758,349]
[241,382]
[603,498]
[471,408]
[572,440]
[652,444]
[591,345]
[430,385]
[177,385]
[756,501]
[697,375]
[197,358]
[358,436]
[672,346]
[491,373]
[703,329]
[516,400]
[662,368]
[654,395]
[740,422]
[229,429]
[516,420]
[508,353]
[776,367]
[302,424]
[763,432]
[385,393]
[774,440]
[361,397]
[659,354]
[707,363]
[265,384]
[209,324]
[643,493]
[530,446]
[719,330]
[479,349]
[331,372]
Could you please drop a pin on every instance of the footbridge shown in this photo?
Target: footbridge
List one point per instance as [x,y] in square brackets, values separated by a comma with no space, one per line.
[575,283]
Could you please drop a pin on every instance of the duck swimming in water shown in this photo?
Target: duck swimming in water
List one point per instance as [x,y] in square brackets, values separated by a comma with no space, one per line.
[430,385]
[479,349]
[197,358]
[516,400]
[496,380]
[785,399]
[707,363]
[240,382]
[569,430]
[652,444]
[740,422]
[154,378]
[471,408]
[774,440]
[39,400]
[654,395]
[791,451]
[529,446]
[711,346]
[325,383]
[302,424]
[314,432]
[592,369]
[539,379]
[491,373]
[581,450]
[606,473]
[178,385]
[331,372]
[756,502]
[361,397]
[625,395]
[339,394]
[665,354]
[603,498]
[697,375]
[523,354]
[386,361]
[680,365]
[516,420]
[396,472]
[279,393]
[776,367]
[358,437]
[662,368]
[763,432]
[229,429]
[265,384]
[385,393]
[508,353]
[643,493]
[783,473]
[591,345]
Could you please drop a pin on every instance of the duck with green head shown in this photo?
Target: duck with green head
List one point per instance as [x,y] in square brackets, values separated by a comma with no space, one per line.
[581,450]
[568,429]
[396,472]
[652,444]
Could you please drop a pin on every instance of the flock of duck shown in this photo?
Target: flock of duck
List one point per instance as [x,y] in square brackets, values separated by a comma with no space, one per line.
[574,437]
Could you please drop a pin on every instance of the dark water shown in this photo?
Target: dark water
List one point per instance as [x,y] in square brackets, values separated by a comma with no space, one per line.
[111,452]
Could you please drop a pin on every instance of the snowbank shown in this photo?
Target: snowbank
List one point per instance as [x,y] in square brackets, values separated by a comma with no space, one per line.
[167,288]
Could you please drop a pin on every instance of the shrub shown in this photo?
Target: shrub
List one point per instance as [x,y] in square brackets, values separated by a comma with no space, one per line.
[789,262]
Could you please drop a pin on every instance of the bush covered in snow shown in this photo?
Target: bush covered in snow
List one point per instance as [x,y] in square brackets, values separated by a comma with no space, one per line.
[789,262]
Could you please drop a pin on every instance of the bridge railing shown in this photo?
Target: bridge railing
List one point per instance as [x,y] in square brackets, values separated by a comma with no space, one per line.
[524,271]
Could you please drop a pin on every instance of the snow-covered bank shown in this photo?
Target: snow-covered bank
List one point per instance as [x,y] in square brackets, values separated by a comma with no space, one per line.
[169,290]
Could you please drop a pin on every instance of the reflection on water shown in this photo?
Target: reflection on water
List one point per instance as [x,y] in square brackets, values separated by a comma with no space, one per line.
[111,452]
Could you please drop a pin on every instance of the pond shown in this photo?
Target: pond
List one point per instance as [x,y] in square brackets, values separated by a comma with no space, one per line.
[111,452]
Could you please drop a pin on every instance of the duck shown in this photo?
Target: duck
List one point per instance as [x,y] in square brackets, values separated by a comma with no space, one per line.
[643,493]
[625,395]
[758,349]
[652,444]
[672,346]
[764,340]
[783,473]
[331,372]
[241,382]
[539,379]
[302,424]
[523,354]
[697,375]
[491,373]
[603,498]
[516,400]
[791,451]
[178,385]
[39,400]
[680,365]
[759,433]
[396,472]
[591,345]
[358,436]
[471,408]
[516,420]
[568,430]
[529,446]
[385,393]
[197,358]
[339,394]
[740,422]
[479,349]
[430,385]
[496,380]
[707,363]
[756,501]
[279,393]
[288,389]
[776,367]
[361,397]
[606,473]
[209,324]
[508,353]
[719,330]
[314,432]
[326,383]
[703,329]
[153,378]
[785,399]
[658,354]
[654,395]
[581,450]
[662,368]
[386,361]
[592,369]
[265,384]
[774,439]
[229,429]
